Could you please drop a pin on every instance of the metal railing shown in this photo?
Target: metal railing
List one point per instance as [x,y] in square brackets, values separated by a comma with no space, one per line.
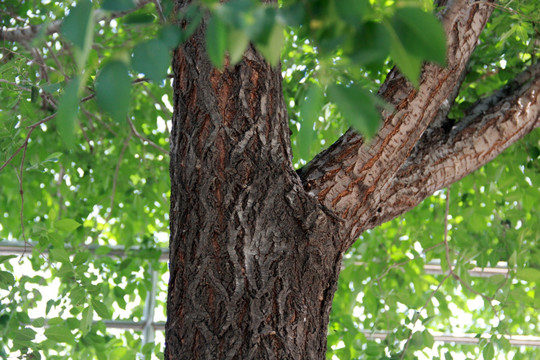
[148,326]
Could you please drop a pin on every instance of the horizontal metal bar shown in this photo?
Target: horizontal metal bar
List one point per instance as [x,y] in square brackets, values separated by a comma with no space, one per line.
[436,269]
[466,339]
[19,248]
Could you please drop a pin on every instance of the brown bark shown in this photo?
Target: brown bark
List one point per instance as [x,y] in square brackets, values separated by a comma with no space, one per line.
[256,248]
[254,258]
[351,175]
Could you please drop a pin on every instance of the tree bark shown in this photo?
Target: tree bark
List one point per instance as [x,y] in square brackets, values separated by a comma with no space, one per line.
[254,258]
[255,247]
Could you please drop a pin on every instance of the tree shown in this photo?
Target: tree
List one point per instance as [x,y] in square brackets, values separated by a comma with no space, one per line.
[257,238]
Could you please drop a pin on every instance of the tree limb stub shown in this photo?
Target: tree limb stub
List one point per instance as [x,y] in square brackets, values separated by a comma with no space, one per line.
[351,175]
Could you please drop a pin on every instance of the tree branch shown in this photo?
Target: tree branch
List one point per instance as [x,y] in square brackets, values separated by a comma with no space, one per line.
[349,177]
[441,158]
[27,33]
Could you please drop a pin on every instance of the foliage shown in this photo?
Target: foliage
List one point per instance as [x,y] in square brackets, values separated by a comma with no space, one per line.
[84,120]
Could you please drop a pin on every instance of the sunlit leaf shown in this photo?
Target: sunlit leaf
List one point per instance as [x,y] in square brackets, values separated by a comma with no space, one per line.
[60,255]
[6,279]
[529,274]
[101,309]
[60,333]
[66,224]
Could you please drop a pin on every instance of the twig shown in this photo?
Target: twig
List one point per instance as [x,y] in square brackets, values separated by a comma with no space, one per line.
[56,60]
[14,84]
[104,124]
[25,143]
[451,268]
[416,316]
[507,9]
[160,10]
[115,179]
[21,192]
[446,248]
[143,139]
[399,264]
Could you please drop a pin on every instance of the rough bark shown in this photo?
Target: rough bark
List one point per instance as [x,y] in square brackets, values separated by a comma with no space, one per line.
[351,175]
[256,248]
[254,258]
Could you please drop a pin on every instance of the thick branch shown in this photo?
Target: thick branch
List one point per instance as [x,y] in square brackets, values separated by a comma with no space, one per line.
[350,176]
[490,126]
[27,33]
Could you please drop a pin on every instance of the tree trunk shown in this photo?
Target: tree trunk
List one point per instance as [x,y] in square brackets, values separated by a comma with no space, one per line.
[255,247]
[254,258]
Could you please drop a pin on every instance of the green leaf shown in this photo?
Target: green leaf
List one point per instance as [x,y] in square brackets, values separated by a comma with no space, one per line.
[75,25]
[87,318]
[489,351]
[77,295]
[117,5]
[357,107]
[101,309]
[78,27]
[60,255]
[80,258]
[310,110]
[427,339]
[38,322]
[236,45]
[372,45]
[102,250]
[60,334]
[4,258]
[67,225]
[410,65]
[25,334]
[147,349]
[420,33]
[6,279]
[139,19]
[529,275]
[34,94]
[216,41]
[170,35]
[152,58]
[352,11]
[51,88]
[260,24]
[271,50]
[113,89]
[68,108]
